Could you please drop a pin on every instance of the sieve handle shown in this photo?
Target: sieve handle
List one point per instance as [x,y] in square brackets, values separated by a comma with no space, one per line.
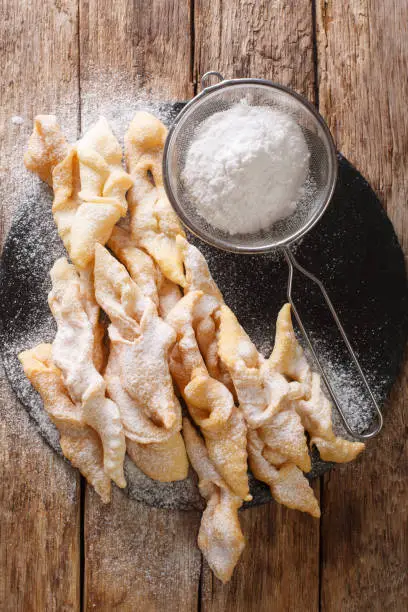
[292,263]
[206,78]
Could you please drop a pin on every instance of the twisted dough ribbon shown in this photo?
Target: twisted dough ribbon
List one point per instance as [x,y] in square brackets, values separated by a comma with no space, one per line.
[72,353]
[88,180]
[220,537]
[142,269]
[209,402]
[288,484]
[137,374]
[206,313]
[79,443]
[154,224]
[277,445]
[313,406]
[47,147]
[89,189]
[281,398]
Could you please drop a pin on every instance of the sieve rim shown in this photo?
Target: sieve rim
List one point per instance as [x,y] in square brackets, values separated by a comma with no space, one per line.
[221,243]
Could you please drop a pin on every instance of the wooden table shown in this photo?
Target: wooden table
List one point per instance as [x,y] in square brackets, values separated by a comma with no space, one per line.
[61,549]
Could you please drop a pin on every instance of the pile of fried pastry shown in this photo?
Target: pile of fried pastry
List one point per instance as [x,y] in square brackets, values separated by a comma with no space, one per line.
[170,337]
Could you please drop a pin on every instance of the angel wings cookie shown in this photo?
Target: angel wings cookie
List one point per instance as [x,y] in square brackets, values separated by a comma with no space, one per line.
[281,399]
[170,332]
[154,224]
[313,407]
[137,374]
[88,180]
[80,443]
[210,403]
[72,354]
[220,536]
[47,147]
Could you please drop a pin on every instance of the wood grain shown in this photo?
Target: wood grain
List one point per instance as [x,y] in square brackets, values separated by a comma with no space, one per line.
[136,557]
[362,64]
[279,569]
[140,558]
[39,498]
[363,60]
[258,38]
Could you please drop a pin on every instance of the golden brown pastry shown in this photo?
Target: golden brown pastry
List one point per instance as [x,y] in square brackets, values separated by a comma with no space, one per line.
[313,407]
[209,402]
[88,180]
[220,538]
[287,483]
[142,269]
[261,390]
[47,147]
[79,442]
[316,418]
[267,400]
[137,374]
[72,353]
[287,356]
[154,224]
[285,440]
[87,291]
[89,192]
[163,461]
[138,263]
[206,314]
[156,333]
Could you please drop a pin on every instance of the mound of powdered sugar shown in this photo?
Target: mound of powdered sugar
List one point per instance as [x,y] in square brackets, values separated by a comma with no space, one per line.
[246,168]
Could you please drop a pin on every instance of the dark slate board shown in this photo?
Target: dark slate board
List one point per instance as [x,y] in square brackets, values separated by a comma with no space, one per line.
[354,251]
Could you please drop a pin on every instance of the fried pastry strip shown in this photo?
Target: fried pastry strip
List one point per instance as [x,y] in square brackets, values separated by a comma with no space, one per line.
[137,374]
[314,408]
[89,189]
[88,180]
[79,442]
[267,401]
[87,291]
[47,147]
[142,269]
[287,483]
[198,278]
[316,418]
[220,537]
[72,353]
[261,390]
[154,224]
[210,403]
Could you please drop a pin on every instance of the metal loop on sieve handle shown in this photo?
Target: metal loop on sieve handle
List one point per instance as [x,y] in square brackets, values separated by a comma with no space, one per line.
[292,263]
[207,76]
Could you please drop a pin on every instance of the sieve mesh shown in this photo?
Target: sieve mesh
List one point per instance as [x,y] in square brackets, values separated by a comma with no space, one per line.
[322,163]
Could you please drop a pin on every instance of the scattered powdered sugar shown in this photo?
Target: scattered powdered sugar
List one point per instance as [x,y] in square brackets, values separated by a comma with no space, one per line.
[31,250]
[246,168]
[17,120]
[118,101]
[348,386]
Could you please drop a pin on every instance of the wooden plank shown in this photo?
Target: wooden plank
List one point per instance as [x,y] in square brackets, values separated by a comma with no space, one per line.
[39,498]
[279,570]
[269,40]
[137,557]
[363,59]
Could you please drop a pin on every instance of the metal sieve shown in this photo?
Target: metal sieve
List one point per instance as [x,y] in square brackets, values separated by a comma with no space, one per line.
[316,196]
